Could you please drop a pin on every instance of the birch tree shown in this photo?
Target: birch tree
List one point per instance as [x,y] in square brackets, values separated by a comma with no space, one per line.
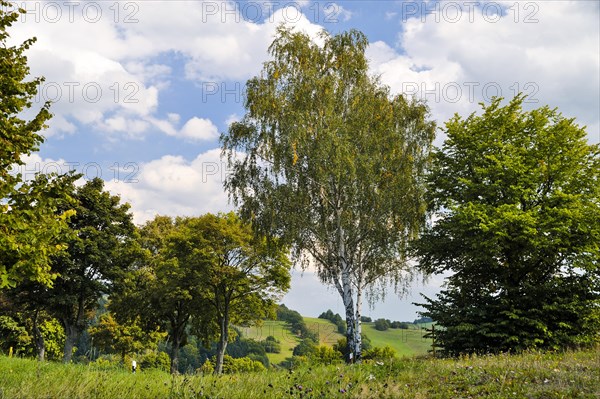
[328,161]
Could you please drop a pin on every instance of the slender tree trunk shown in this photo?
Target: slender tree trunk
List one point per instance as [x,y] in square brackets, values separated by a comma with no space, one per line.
[347,297]
[223,339]
[349,308]
[358,326]
[40,345]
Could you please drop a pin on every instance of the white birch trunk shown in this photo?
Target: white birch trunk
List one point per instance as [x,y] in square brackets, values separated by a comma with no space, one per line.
[358,326]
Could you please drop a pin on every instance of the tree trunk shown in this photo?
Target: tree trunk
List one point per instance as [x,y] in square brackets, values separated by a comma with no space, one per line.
[72,330]
[349,307]
[40,345]
[222,346]
[175,352]
[347,297]
[358,326]
[70,339]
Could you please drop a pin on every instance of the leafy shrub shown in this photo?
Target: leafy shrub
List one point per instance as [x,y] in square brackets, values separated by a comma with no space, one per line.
[13,335]
[340,345]
[207,367]
[306,347]
[108,361]
[155,360]
[324,354]
[271,345]
[379,354]
[241,365]
[382,324]
[399,324]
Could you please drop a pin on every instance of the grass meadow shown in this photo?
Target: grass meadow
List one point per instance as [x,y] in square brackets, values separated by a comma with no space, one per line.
[531,375]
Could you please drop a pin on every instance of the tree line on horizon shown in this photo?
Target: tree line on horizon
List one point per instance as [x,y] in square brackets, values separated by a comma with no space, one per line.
[332,170]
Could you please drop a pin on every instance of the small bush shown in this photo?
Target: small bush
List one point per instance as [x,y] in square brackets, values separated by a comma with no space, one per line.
[155,360]
[379,354]
[381,324]
[241,365]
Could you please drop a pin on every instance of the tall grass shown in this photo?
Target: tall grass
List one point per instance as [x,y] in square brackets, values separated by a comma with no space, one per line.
[531,375]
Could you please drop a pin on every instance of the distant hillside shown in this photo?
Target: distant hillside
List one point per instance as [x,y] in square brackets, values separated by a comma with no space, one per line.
[405,342]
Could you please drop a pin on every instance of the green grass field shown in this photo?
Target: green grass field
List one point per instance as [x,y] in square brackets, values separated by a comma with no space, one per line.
[327,331]
[278,330]
[404,342]
[532,375]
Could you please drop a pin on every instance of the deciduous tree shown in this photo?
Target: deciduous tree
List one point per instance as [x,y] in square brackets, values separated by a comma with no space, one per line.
[518,199]
[327,160]
[31,229]
[103,247]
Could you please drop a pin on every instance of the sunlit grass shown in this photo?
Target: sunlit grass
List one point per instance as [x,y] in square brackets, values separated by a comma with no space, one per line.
[531,375]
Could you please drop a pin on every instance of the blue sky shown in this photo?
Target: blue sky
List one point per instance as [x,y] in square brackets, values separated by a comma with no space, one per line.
[142,89]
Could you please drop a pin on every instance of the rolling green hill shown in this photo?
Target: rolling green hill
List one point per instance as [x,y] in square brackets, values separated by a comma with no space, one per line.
[278,330]
[405,342]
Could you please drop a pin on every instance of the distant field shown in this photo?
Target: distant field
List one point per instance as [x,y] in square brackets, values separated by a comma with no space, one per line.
[405,342]
[278,330]
[327,331]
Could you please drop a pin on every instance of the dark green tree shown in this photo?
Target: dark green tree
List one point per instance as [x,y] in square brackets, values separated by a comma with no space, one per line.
[517,196]
[162,291]
[328,161]
[31,228]
[205,274]
[123,339]
[104,247]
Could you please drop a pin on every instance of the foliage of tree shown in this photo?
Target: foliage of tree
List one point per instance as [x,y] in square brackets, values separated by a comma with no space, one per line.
[163,292]
[155,360]
[271,345]
[295,323]
[102,248]
[382,324]
[324,354]
[245,347]
[242,277]
[342,346]
[399,324]
[327,160]
[204,273]
[13,335]
[17,331]
[365,319]
[423,320]
[31,227]
[123,339]
[306,347]
[517,194]
[335,319]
